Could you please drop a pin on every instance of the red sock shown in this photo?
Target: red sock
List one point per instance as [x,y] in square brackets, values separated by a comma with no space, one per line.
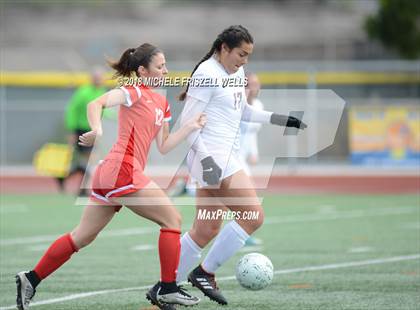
[57,254]
[169,252]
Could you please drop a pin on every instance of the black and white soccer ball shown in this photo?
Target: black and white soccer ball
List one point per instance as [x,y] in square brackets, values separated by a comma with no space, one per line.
[254,271]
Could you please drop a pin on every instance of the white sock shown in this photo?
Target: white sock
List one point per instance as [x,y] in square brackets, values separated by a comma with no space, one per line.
[190,256]
[227,243]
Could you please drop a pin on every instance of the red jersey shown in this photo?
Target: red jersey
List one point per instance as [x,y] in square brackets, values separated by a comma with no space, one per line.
[139,121]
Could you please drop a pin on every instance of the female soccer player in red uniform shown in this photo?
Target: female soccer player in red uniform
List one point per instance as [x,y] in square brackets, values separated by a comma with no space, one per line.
[214,161]
[119,179]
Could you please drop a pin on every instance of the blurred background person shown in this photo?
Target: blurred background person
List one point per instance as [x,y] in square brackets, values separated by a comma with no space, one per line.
[249,131]
[77,123]
[248,150]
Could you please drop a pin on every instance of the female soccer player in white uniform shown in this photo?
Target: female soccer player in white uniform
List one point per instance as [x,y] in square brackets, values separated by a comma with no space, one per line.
[213,159]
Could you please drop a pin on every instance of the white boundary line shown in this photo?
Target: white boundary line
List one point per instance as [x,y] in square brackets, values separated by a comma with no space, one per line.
[270,220]
[285,271]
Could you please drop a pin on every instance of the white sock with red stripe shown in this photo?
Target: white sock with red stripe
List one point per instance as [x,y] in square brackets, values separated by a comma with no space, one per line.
[227,243]
[190,256]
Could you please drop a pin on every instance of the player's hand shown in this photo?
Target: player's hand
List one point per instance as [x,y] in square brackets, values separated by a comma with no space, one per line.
[197,122]
[88,138]
[211,171]
[288,121]
[296,123]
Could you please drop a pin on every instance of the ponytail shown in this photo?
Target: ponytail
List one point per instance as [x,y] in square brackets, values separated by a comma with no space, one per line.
[133,58]
[124,66]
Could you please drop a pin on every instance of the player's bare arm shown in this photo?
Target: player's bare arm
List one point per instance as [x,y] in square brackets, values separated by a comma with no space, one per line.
[166,141]
[112,98]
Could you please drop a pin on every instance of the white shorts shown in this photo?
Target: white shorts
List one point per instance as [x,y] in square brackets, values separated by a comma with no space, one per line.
[230,164]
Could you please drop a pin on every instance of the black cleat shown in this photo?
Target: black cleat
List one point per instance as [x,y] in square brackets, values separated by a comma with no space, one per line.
[151,295]
[206,283]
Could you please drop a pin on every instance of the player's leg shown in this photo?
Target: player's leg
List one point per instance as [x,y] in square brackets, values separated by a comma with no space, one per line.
[152,203]
[238,194]
[205,229]
[201,233]
[93,220]
[248,159]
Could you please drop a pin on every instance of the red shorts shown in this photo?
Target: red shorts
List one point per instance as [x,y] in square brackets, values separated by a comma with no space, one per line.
[116,178]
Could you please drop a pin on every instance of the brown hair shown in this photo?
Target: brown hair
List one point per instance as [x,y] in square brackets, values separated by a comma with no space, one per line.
[133,58]
[232,37]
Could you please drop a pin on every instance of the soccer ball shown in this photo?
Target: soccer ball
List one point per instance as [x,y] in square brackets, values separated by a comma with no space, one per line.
[254,271]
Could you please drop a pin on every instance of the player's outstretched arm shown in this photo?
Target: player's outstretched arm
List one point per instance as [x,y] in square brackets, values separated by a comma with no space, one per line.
[251,114]
[166,142]
[111,98]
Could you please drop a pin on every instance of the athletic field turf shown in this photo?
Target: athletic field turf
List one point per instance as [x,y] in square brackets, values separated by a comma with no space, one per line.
[329,252]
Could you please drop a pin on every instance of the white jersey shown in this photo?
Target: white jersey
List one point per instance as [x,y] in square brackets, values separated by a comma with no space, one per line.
[224,106]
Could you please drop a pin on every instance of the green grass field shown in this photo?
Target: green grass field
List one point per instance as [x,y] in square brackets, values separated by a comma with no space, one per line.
[330,232]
